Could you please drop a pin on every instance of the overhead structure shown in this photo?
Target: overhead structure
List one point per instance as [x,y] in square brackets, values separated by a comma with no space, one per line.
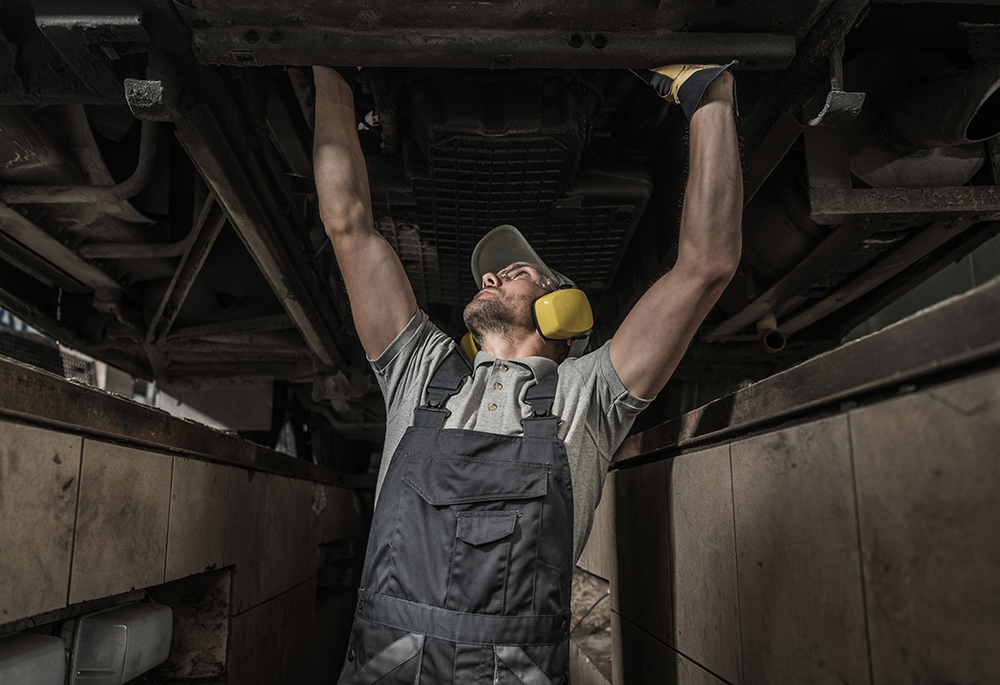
[158,210]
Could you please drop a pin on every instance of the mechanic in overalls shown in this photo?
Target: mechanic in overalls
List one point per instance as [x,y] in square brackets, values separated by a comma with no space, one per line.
[493,467]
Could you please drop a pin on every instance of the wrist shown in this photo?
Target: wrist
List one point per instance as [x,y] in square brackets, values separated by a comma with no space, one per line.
[721,88]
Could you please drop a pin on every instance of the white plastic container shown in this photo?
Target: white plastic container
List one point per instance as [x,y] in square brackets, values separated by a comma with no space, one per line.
[115,645]
[31,659]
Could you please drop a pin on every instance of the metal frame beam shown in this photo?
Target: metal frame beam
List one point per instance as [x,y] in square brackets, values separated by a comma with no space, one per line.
[206,229]
[956,332]
[481,48]
[918,205]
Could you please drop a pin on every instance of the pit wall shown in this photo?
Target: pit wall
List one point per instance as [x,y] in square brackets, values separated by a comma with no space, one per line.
[85,523]
[860,547]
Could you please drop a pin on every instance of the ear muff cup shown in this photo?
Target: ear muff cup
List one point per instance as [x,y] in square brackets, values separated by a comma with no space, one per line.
[469,346]
[563,314]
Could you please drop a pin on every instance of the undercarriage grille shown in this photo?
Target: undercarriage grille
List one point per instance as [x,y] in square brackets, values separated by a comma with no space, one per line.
[476,184]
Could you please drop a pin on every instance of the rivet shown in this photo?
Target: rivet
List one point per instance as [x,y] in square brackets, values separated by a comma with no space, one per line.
[493,406]
[350,654]
[361,604]
[498,386]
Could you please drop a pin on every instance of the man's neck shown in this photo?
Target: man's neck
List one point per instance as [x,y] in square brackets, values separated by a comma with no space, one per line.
[502,347]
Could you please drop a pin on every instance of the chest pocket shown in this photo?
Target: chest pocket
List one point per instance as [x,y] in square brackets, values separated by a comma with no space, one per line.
[486,515]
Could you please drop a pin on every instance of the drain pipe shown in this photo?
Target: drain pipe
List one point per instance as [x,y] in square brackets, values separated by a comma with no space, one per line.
[130,187]
[771,339]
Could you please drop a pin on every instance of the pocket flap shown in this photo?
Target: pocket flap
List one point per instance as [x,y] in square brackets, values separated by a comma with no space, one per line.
[480,527]
[442,481]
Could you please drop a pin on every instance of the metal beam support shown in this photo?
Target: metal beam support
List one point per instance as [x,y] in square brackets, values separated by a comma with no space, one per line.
[956,332]
[261,324]
[37,267]
[826,255]
[832,206]
[206,229]
[39,318]
[918,247]
[20,229]
[75,28]
[205,143]
[480,48]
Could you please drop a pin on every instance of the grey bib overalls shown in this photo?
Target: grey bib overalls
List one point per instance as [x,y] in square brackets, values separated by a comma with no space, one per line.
[469,565]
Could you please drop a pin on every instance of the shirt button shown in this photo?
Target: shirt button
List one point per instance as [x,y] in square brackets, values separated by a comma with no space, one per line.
[493,406]
[498,386]
[503,367]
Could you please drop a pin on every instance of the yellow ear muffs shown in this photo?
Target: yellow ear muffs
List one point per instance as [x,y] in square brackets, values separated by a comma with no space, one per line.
[469,346]
[563,314]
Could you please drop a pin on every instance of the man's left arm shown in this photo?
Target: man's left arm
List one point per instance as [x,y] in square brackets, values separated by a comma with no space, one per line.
[654,336]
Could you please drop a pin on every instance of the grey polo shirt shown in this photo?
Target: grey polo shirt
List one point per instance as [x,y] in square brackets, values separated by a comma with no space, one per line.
[595,409]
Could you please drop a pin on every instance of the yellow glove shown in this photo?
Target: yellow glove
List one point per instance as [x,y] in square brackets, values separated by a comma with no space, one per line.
[683,84]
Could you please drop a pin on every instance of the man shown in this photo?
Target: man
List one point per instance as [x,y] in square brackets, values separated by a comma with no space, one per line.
[491,472]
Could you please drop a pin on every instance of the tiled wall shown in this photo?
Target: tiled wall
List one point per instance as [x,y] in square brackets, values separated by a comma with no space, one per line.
[82,519]
[857,548]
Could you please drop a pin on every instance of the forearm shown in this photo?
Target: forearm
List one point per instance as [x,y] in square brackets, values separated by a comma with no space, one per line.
[710,237]
[382,300]
[653,337]
[338,163]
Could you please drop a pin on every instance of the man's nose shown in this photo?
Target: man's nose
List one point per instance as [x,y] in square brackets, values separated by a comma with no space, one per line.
[491,280]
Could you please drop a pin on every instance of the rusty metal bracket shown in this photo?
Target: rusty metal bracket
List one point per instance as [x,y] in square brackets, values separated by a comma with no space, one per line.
[841,107]
[78,31]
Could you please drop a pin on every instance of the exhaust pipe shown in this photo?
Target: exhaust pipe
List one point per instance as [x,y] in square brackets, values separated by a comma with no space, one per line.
[956,110]
[771,339]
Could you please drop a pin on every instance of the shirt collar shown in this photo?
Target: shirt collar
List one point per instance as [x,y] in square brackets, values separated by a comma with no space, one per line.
[540,367]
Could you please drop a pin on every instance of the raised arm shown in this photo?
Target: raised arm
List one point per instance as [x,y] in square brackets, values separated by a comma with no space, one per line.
[382,300]
[654,336]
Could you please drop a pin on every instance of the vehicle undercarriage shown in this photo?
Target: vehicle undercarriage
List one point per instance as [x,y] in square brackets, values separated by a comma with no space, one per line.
[159,213]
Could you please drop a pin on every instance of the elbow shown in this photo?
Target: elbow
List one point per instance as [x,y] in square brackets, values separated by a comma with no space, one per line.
[342,218]
[713,269]
[717,278]
[727,266]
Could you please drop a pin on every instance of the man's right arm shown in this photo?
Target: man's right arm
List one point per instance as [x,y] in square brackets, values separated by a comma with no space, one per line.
[382,300]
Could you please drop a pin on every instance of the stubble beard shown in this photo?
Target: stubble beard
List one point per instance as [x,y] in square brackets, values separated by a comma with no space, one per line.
[497,316]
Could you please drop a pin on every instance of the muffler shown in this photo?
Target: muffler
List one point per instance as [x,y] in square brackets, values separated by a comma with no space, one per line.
[955,110]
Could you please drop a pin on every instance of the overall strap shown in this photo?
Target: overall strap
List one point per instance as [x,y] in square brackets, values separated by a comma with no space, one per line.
[542,423]
[445,382]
